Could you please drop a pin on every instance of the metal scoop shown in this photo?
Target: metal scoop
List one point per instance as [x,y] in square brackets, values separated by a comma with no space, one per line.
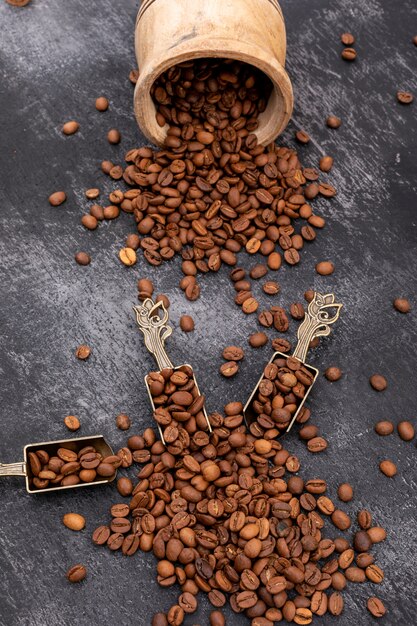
[23,468]
[153,324]
[316,323]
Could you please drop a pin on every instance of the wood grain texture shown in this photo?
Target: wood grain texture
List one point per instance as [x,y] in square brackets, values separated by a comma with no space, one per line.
[56,58]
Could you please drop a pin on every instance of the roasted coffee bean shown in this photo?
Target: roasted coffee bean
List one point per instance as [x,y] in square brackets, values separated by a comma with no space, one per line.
[333,374]
[89,222]
[271,288]
[101,535]
[82,258]
[187,323]
[69,128]
[123,421]
[405,97]
[347,39]
[317,444]
[388,468]
[302,136]
[281,345]
[374,573]
[362,541]
[341,520]
[76,573]
[258,340]
[113,136]
[333,122]
[127,256]
[74,521]
[102,104]
[233,353]
[349,54]
[384,428]
[402,305]
[364,519]
[229,369]
[217,618]
[406,430]
[376,607]
[378,382]
[335,603]
[297,311]
[345,492]
[83,352]
[326,163]
[57,198]
[325,268]
[377,534]
[72,422]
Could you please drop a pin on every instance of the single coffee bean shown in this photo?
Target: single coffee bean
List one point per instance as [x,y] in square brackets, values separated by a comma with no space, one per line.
[133,241]
[374,573]
[233,353]
[341,520]
[92,193]
[73,521]
[113,136]
[72,422]
[384,428]
[271,288]
[402,305]
[83,352]
[101,535]
[76,573]
[297,311]
[347,39]
[123,421]
[134,77]
[335,603]
[302,136]
[388,468]
[326,163]
[376,607]
[345,492]
[57,198]
[378,382]
[317,444]
[102,104]
[333,374]
[325,268]
[333,122]
[69,128]
[187,323]
[127,256]
[364,519]
[217,618]
[229,369]
[377,534]
[406,430]
[349,54]
[405,97]
[89,222]
[124,486]
[82,258]
[362,541]
[257,340]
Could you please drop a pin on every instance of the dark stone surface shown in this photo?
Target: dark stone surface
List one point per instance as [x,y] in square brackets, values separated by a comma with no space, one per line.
[56,58]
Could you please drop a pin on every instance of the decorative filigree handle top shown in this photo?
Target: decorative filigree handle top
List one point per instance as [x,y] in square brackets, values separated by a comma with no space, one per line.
[153,324]
[322,312]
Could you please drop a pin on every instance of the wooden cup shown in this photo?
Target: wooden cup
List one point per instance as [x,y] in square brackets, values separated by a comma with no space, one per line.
[169,32]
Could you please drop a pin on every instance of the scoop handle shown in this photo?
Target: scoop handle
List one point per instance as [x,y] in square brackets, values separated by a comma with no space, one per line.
[317,322]
[153,324]
[13,469]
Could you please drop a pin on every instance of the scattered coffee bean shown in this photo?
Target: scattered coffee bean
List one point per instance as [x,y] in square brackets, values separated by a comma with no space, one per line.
[364,519]
[309,295]
[297,311]
[257,340]
[271,288]
[92,194]
[362,542]
[405,97]
[333,374]
[376,607]
[187,323]
[402,305]
[345,492]
[57,198]
[69,128]
[123,421]
[83,352]
[72,422]
[378,382]
[333,122]
[377,534]
[326,163]
[406,430]
[76,573]
[18,3]
[349,54]
[82,258]
[133,241]
[347,39]
[341,520]
[89,222]
[113,136]
[145,288]
[325,268]
[217,618]
[317,444]
[74,521]
[102,104]
[383,428]
[302,137]
[388,468]
[229,369]
[281,345]
[233,353]
[134,76]
[127,256]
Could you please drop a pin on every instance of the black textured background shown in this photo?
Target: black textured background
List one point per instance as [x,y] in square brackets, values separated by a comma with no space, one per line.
[57,56]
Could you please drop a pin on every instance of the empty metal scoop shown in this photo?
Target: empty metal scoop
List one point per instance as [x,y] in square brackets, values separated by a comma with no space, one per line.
[152,318]
[23,468]
[316,323]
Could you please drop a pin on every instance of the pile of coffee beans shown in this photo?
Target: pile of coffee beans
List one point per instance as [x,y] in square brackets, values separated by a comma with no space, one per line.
[282,390]
[179,409]
[67,468]
[223,517]
[212,190]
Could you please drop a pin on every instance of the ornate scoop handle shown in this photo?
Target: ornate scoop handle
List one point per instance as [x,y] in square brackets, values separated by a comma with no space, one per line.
[13,469]
[153,324]
[317,322]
